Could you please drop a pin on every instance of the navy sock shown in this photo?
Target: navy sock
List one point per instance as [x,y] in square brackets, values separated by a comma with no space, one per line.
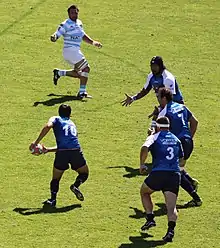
[54,188]
[195,196]
[187,186]
[171,225]
[81,178]
[150,217]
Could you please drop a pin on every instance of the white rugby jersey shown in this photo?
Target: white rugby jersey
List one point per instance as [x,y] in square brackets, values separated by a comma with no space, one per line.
[72,33]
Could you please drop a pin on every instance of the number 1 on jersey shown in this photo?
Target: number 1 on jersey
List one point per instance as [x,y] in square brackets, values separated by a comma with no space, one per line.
[182,117]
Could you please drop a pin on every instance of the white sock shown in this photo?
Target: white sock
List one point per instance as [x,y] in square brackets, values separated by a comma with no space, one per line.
[62,73]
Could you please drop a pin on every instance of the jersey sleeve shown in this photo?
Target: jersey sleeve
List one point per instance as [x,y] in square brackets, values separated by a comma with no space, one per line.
[148,85]
[170,84]
[149,141]
[62,28]
[52,120]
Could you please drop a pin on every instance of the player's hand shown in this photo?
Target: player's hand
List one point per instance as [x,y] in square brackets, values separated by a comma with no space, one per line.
[143,169]
[32,145]
[127,101]
[45,149]
[155,113]
[97,44]
[150,131]
[53,38]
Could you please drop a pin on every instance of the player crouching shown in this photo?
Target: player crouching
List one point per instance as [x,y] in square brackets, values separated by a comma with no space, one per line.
[68,152]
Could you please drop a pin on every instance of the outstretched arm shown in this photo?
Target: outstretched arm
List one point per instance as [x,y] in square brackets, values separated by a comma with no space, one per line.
[129,99]
[90,41]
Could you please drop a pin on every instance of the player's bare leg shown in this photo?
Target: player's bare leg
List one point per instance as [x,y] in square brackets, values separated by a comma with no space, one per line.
[57,73]
[54,187]
[83,173]
[148,206]
[83,82]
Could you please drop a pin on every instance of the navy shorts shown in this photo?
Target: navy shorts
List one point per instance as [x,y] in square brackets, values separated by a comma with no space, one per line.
[74,158]
[187,145]
[164,181]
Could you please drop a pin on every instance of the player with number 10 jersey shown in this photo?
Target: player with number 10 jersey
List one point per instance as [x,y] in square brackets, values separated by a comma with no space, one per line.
[65,133]
[68,153]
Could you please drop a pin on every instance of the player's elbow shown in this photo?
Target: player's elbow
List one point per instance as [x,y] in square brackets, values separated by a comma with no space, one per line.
[48,126]
[195,123]
[144,150]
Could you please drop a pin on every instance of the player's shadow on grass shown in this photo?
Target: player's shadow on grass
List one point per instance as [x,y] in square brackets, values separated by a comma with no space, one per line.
[140,242]
[58,100]
[132,172]
[139,214]
[46,209]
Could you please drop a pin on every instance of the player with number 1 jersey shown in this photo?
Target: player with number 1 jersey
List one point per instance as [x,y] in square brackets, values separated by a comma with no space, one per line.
[183,124]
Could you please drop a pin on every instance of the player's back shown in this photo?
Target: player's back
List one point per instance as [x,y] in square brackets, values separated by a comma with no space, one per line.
[179,117]
[65,133]
[171,83]
[166,151]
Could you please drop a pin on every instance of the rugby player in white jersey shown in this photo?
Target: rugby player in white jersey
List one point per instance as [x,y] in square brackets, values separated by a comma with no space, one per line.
[158,78]
[73,35]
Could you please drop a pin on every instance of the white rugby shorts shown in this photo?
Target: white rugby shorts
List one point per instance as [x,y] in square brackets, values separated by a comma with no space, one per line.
[72,55]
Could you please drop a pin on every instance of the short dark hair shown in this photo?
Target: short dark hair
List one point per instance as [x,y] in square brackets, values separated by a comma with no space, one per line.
[163,120]
[72,7]
[164,92]
[64,110]
[158,61]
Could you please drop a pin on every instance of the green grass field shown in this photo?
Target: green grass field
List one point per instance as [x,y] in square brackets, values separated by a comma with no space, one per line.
[186,33]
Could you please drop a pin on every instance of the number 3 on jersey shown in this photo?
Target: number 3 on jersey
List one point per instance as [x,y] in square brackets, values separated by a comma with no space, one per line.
[69,130]
[171,153]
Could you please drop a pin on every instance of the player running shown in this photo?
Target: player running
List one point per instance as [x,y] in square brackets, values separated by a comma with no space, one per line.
[183,124]
[73,35]
[166,152]
[68,151]
[158,78]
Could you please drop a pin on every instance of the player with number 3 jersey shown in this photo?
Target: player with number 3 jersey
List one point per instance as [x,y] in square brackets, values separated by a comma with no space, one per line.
[68,152]
[166,152]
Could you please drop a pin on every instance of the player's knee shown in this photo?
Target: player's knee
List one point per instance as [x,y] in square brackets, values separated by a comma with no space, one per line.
[87,69]
[85,72]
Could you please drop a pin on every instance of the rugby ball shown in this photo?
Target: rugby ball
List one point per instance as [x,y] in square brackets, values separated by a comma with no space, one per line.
[37,150]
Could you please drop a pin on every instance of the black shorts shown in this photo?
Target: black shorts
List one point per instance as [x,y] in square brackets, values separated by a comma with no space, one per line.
[164,181]
[187,145]
[74,158]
